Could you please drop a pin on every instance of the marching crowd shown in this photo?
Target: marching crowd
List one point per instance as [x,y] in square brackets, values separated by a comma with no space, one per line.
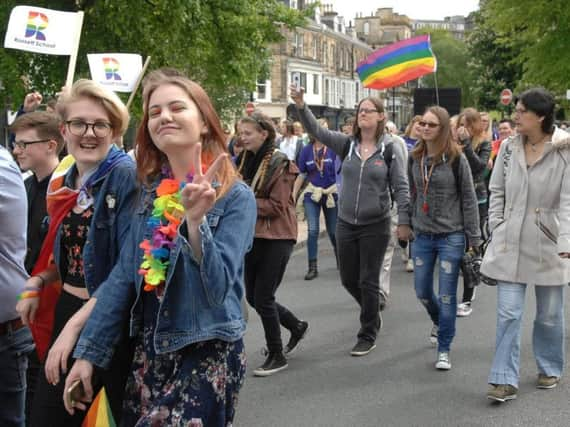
[133,275]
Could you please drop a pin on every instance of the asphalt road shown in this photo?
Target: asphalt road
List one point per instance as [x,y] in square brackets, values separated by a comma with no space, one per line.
[396,384]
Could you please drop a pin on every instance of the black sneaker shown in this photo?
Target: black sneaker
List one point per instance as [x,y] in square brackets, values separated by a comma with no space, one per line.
[274,363]
[296,336]
[362,348]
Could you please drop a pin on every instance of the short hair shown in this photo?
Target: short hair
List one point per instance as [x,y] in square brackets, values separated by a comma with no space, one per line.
[540,102]
[45,124]
[83,88]
[510,122]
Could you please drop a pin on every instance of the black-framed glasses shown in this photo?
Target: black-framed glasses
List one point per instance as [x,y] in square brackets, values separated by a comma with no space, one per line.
[367,110]
[79,128]
[23,144]
[428,124]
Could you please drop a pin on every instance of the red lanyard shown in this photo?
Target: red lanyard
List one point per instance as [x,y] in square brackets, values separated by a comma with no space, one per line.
[426,177]
[319,159]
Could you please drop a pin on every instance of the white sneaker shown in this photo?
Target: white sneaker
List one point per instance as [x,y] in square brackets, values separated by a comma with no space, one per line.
[464,309]
[433,335]
[410,266]
[443,362]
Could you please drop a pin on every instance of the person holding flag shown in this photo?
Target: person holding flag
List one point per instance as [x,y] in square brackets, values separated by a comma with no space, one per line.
[179,280]
[89,203]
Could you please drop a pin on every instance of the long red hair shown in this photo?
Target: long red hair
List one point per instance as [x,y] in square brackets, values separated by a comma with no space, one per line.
[150,159]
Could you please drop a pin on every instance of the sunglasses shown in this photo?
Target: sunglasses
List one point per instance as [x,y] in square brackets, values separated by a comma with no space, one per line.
[428,124]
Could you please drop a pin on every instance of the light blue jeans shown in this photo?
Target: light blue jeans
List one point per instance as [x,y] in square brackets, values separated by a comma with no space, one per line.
[447,250]
[547,333]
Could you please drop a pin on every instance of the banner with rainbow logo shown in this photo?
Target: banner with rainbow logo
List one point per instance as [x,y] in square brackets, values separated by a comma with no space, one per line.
[116,71]
[40,30]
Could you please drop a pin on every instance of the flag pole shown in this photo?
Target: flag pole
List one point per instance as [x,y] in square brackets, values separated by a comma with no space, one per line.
[137,84]
[73,57]
[436,88]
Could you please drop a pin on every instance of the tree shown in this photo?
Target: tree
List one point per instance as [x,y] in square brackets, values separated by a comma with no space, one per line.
[221,44]
[541,29]
[451,57]
[492,64]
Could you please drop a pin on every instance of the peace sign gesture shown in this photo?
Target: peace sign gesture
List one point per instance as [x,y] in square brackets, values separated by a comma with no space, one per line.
[199,196]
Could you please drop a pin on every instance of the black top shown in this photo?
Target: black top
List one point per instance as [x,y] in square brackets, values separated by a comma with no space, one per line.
[38,221]
[74,229]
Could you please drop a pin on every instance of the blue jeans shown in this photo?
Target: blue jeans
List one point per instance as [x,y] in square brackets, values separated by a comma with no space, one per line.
[313,213]
[14,349]
[547,333]
[449,250]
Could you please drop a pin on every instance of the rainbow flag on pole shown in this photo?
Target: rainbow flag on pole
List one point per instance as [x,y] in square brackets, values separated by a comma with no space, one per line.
[99,414]
[397,63]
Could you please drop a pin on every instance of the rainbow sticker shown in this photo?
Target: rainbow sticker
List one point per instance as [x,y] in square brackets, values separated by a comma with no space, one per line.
[37,22]
[111,66]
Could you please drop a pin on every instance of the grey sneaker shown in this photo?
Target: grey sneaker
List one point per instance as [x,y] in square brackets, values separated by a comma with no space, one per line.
[545,382]
[433,335]
[443,363]
[501,392]
[362,348]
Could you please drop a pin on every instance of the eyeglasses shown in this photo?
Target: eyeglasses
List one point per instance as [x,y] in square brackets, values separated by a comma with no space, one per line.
[367,110]
[79,128]
[23,144]
[428,124]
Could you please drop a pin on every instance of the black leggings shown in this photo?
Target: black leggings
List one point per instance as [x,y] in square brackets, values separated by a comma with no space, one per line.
[265,266]
[361,250]
[47,408]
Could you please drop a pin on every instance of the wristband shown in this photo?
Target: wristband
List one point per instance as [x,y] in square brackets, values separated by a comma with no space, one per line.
[28,294]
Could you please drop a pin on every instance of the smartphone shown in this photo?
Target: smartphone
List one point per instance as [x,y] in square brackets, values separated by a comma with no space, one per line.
[296,78]
[75,393]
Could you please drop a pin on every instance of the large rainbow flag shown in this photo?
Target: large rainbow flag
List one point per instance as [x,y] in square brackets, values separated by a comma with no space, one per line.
[99,414]
[397,63]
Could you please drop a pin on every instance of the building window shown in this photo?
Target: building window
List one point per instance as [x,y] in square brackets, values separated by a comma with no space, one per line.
[298,46]
[261,89]
[366,28]
[315,84]
[315,47]
[327,92]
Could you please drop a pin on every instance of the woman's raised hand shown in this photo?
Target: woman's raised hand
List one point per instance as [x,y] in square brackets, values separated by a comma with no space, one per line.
[297,95]
[199,196]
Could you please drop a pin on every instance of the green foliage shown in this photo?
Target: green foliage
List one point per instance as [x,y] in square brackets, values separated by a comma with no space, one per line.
[493,63]
[452,57]
[541,29]
[223,45]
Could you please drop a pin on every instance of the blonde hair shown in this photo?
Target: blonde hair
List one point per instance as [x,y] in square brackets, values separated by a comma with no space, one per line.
[473,124]
[111,103]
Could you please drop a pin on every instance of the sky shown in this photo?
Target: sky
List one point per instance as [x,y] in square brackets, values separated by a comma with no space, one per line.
[414,9]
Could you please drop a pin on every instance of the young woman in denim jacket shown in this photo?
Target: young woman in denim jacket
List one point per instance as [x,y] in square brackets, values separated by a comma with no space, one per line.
[90,207]
[178,282]
[444,211]
[271,176]
[472,133]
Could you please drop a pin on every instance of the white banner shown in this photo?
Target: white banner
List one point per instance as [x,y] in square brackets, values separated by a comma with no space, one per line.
[40,30]
[116,71]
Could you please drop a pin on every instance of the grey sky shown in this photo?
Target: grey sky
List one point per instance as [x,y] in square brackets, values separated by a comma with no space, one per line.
[415,9]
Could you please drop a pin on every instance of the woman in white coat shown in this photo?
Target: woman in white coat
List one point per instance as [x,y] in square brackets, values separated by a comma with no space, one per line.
[529,219]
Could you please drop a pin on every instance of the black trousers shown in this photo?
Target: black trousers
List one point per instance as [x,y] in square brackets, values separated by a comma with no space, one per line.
[47,408]
[361,250]
[265,266]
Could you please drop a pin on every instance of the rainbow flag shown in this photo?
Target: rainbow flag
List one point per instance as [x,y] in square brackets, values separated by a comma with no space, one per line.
[397,63]
[99,414]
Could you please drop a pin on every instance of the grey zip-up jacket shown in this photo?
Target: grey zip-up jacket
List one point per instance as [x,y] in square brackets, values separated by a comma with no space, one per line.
[365,192]
[452,206]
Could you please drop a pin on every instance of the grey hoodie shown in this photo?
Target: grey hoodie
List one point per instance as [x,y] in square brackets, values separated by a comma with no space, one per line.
[365,192]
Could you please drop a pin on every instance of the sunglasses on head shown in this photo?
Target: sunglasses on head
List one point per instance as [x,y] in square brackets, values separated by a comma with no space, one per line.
[428,124]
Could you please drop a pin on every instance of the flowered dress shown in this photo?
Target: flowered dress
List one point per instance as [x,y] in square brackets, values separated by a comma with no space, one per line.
[195,386]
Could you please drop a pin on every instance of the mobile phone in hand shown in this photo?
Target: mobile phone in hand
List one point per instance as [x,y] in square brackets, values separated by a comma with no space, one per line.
[75,393]
[296,78]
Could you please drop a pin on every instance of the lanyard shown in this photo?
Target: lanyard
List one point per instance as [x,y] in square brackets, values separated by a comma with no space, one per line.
[426,178]
[319,159]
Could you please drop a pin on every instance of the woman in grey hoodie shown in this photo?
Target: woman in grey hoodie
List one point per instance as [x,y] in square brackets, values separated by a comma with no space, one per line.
[372,165]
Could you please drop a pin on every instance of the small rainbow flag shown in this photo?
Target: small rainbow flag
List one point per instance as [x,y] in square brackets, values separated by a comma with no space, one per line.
[397,63]
[99,415]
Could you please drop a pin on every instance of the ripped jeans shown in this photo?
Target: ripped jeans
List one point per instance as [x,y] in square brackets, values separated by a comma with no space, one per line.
[447,250]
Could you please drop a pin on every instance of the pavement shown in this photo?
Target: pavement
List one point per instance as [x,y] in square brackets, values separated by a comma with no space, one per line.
[396,384]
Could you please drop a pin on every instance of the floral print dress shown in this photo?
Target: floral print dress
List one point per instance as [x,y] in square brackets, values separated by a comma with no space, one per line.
[192,387]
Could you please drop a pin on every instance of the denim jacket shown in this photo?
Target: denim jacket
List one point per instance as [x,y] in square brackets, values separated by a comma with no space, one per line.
[201,300]
[114,197]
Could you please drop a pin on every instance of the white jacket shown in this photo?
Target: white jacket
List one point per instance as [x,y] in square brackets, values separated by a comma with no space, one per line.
[529,214]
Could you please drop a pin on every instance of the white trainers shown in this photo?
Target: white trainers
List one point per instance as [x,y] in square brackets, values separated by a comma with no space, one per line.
[433,335]
[464,309]
[410,266]
[443,363]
